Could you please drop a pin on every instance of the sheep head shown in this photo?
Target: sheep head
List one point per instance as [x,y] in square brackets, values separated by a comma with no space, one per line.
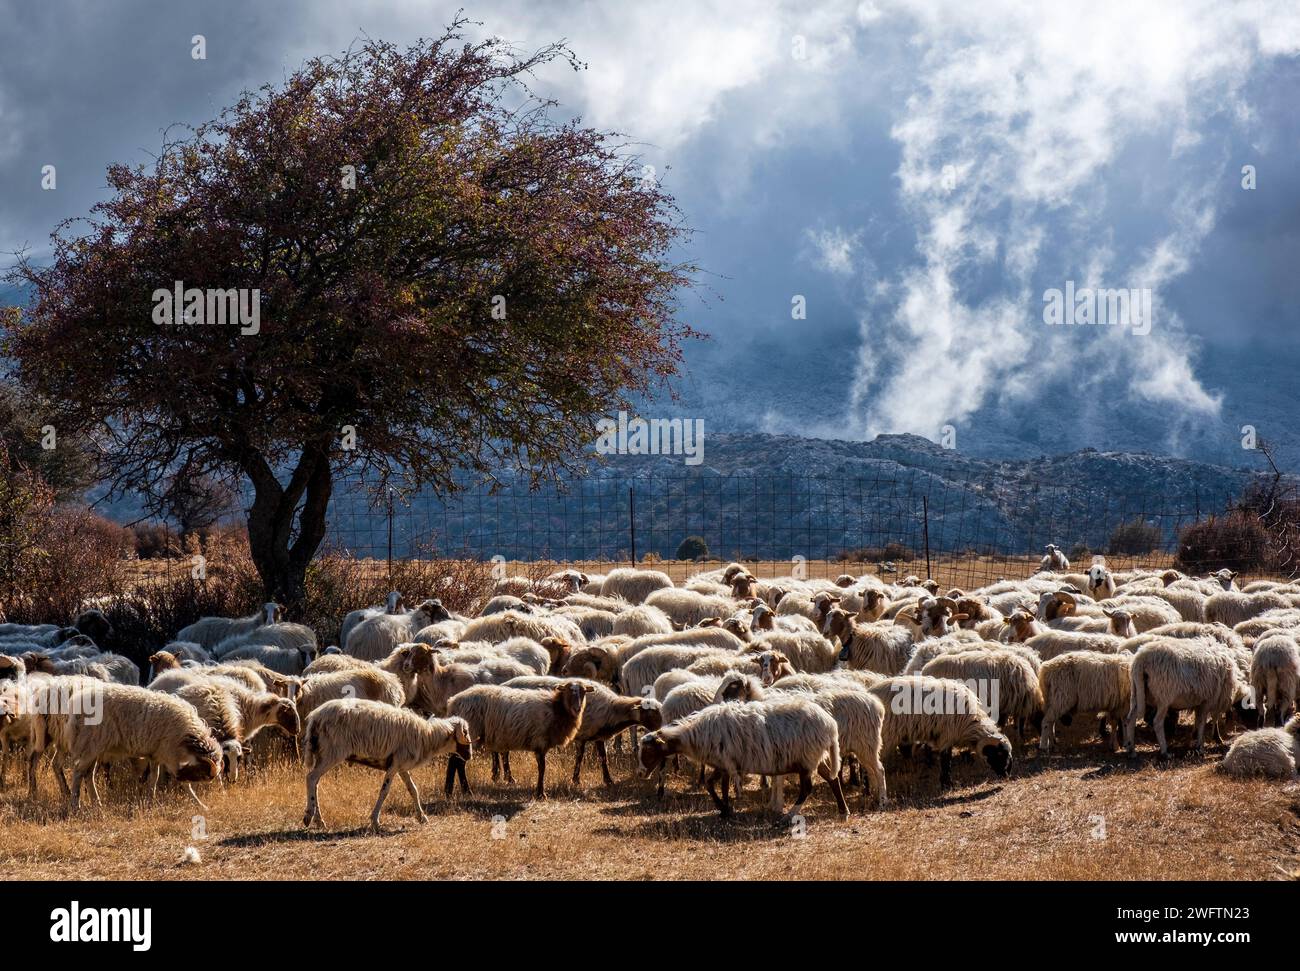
[997,753]
[282,713]
[271,613]
[737,686]
[742,585]
[648,713]
[772,667]
[845,580]
[559,649]
[710,622]
[434,610]
[460,734]
[1121,622]
[837,625]
[654,751]
[201,758]
[163,661]
[573,697]
[393,604]
[762,618]
[737,626]
[1022,625]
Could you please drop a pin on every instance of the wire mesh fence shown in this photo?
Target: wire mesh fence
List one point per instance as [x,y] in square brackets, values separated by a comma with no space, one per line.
[960,533]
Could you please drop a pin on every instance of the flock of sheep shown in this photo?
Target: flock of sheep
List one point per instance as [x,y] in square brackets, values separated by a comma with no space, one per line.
[726,677]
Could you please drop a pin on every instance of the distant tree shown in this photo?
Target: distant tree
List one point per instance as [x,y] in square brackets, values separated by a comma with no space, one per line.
[693,548]
[1134,538]
[197,501]
[66,466]
[449,279]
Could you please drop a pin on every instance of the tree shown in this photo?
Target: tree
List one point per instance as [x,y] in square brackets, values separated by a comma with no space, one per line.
[1134,538]
[693,548]
[448,280]
[61,461]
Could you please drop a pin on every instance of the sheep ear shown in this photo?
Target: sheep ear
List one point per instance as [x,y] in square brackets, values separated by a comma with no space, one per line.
[960,616]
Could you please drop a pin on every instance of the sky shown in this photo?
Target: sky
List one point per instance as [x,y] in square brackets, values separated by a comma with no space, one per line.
[916,175]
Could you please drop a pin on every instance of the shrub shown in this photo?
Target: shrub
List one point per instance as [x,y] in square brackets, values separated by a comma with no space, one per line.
[1134,538]
[154,541]
[693,548]
[876,554]
[1236,540]
[1079,552]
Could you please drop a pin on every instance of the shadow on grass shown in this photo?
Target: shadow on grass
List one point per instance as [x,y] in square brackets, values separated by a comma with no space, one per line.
[248,840]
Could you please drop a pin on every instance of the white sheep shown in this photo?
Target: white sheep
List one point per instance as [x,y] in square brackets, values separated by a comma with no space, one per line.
[1270,752]
[379,736]
[504,720]
[1084,682]
[641,620]
[1275,676]
[881,647]
[687,607]
[509,624]
[391,605]
[1054,560]
[633,585]
[109,722]
[1181,673]
[941,714]
[1006,680]
[777,736]
[207,632]
[375,637]
[1232,607]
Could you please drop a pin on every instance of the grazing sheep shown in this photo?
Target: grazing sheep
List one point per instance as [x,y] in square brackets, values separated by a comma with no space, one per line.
[1147,612]
[1008,681]
[880,647]
[1232,607]
[606,715]
[715,637]
[392,605]
[638,675]
[1054,643]
[504,720]
[1181,673]
[806,651]
[1270,752]
[641,620]
[1084,682]
[379,736]
[858,716]
[502,627]
[790,735]
[109,722]
[861,680]
[688,608]
[1274,676]
[634,586]
[444,681]
[371,685]
[955,643]
[288,638]
[1252,630]
[503,602]
[375,637]
[942,714]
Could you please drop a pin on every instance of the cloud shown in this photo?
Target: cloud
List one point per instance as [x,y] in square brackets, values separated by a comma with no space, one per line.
[1021,115]
[833,250]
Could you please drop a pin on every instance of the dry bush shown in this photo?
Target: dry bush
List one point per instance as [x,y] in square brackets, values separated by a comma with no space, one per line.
[1237,540]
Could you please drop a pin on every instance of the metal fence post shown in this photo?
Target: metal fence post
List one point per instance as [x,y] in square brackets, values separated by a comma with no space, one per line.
[925,525]
[631,518]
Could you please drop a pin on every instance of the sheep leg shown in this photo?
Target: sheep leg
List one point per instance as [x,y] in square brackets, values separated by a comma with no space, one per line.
[833,780]
[1045,738]
[496,766]
[663,777]
[379,803]
[415,795]
[805,787]
[875,770]
[577,763]
[945,768]
[153,792]
[776,793]
[540,792]
[94,787]
[710,784]
[855,776]
[604,763]
[1201,715]
[450,786]
[1160,732]
[312,812]
[189,786]
[74,804]
[505,765]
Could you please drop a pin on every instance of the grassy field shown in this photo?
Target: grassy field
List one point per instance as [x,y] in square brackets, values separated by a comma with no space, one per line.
[1088,815]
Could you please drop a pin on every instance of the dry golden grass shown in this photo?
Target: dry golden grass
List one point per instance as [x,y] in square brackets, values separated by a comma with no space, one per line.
[1045,823]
